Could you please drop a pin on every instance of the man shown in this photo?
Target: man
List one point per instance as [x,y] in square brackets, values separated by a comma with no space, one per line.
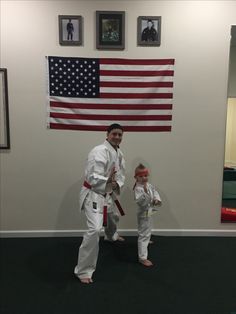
[149,33]
[104,177]
[70,30]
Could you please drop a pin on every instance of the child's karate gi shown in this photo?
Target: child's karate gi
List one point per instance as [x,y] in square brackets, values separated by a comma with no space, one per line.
[145,211]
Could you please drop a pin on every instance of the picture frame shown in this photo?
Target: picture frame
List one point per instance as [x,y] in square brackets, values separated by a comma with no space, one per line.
[149,31]
[110,30]
[4,111]
[70,30]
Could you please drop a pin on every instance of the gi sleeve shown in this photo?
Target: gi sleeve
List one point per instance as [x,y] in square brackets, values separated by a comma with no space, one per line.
[96,173]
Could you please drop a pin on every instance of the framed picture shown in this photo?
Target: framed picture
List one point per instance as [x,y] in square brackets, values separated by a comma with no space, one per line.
[149,31]
[110,30]
[70,30]
[4,111]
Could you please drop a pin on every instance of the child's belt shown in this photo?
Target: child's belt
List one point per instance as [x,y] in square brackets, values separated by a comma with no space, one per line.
[118,205]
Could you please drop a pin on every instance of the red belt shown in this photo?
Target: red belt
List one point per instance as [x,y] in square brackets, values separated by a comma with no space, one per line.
[118,205]
[87,185]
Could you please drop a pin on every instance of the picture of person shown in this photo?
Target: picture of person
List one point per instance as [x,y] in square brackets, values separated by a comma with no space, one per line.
[110,30]
[70,30]
[149,33]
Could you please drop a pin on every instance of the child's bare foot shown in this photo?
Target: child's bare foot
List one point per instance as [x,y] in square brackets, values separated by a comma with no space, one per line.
[86,280]
[146,262]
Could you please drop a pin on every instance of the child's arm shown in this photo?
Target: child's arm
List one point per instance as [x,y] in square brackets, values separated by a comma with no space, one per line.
[141,197]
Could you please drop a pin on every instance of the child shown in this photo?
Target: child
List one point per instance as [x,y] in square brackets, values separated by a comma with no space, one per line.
[146,198]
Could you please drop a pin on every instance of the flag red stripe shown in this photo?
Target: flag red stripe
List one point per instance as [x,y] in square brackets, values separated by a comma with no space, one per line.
[162,128]
[110,117]
[136,95]
[136,84]
[57,104]
[135,73]
[137,61]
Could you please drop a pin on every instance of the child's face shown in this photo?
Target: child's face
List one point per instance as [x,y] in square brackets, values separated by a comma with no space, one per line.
[142,178]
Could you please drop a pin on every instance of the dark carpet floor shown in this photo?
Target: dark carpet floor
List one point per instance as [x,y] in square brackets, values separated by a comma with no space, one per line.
[191,275]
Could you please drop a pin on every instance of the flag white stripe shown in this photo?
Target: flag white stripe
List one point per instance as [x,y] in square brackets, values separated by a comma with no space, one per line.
[131,67]
[136,78]
[107,122]
[136,90]
[111,112]
[118,101]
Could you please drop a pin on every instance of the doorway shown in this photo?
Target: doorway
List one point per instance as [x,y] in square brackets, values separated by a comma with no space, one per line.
[228,211]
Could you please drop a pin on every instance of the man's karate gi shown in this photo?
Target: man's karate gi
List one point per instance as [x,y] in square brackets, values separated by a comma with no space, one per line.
[101,160]
[145,211]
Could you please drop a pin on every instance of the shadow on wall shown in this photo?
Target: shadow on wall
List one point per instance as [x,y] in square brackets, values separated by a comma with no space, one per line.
[69,217]
[165,215]
[129,220]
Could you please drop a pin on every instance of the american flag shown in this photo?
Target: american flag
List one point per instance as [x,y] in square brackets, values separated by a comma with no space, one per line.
[91,93]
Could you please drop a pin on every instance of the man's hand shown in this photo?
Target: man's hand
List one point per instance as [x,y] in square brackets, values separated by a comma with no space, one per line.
[112,175]
[114,185]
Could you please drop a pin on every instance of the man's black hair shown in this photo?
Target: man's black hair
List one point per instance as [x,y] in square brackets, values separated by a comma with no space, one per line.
[114,126]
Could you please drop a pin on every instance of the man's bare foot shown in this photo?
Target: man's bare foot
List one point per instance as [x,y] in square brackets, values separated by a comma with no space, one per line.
[146,262]
[86,280]
[151,242]
[121,239]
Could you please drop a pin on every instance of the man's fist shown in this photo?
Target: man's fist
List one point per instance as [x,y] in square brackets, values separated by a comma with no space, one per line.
[114,185]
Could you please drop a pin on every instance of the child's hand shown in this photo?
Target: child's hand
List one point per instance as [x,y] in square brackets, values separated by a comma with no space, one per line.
[145,187]
[156,202]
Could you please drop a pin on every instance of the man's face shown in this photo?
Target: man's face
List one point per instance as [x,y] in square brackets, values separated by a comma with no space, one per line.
[149,25]
[115,137]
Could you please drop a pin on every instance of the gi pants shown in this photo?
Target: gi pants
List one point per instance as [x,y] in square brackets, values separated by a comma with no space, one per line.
[144,234]
[88,251]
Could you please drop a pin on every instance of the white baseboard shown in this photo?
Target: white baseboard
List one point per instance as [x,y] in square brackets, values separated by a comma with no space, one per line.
[125,232]
[195,232]
[230,163]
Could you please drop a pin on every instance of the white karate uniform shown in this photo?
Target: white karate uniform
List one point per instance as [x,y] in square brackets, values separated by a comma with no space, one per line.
[145,211]
[101,160]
